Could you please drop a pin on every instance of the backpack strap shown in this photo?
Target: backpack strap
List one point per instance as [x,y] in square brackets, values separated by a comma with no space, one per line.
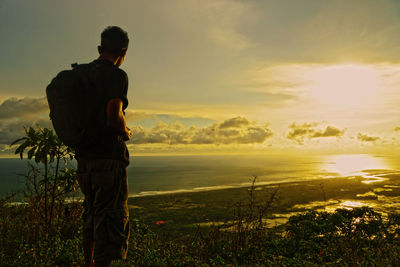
[83,77]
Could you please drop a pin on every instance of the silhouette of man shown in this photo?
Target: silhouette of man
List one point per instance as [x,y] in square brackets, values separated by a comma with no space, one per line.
[102,165]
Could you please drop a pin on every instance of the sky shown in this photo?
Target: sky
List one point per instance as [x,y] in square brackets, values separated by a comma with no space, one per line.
[219,76]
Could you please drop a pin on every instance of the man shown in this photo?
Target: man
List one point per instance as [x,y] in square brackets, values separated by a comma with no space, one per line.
[102,164]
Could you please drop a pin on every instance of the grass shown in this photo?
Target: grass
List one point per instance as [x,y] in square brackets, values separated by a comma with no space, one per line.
[221,228]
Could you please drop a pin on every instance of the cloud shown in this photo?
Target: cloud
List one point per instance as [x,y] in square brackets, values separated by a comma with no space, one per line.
[23,107]
[365,138]
[150,119]
[6,149]
[219,22]
[329,131]
[232,131]
[17,113]
[298,132]
[234,122]
[12,130]
[223,30]
[346,29]
[131,115]
[280,84]
[301,83]
[228,38]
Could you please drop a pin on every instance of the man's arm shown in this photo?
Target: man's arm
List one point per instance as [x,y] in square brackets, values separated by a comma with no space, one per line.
[116,118]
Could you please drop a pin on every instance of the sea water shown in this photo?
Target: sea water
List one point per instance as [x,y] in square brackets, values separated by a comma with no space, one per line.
[149,175]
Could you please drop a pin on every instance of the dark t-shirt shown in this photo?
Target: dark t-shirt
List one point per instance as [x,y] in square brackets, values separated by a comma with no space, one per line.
[106,82]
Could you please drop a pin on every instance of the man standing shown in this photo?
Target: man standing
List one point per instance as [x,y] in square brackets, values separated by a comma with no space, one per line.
[102,164]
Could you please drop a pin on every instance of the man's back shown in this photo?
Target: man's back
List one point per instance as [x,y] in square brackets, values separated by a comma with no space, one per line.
[106,82]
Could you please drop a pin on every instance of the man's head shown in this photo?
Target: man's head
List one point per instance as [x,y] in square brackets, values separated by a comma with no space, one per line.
[114,43]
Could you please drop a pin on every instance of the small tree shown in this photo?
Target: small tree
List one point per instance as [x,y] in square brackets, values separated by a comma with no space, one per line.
[49,180]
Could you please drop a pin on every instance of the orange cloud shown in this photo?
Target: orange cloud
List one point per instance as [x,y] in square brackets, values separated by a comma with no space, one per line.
[232,131]
[298,132]
[365,138]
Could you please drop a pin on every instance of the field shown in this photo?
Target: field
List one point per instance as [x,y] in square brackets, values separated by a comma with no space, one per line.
[183,213]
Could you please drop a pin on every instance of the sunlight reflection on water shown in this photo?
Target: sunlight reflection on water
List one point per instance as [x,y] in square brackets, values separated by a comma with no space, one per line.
[332,205]
[354,164]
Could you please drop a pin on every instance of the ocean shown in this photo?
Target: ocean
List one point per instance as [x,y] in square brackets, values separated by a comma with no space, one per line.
[150,175]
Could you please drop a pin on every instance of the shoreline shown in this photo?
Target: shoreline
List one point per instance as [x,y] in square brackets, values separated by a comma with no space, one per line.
[364,177]
[184,211]
[213,188]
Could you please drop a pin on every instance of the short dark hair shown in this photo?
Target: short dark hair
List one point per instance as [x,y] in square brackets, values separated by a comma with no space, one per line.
[114,40]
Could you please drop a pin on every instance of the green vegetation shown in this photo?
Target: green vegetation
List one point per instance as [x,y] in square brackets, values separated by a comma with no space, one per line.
[346,238]
[44,229]
[49,180]
[215,228]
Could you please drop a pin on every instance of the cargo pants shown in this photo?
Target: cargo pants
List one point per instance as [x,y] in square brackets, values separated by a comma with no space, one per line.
[104,183]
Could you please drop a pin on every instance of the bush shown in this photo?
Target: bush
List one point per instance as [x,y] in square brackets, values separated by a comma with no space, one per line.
[44,229]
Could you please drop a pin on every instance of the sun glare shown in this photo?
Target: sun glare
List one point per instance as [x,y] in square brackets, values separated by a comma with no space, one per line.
[345,85]
[353,164]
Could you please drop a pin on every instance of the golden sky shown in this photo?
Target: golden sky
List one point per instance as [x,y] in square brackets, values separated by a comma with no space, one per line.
[217,75]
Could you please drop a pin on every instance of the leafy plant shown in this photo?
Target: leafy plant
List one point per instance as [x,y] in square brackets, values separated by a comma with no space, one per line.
[52,181]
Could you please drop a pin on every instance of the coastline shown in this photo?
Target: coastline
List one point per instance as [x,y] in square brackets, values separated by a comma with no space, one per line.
[184,211]
[210,188]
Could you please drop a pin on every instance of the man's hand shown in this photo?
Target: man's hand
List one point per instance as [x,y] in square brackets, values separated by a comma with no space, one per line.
[116,118]
[128,134]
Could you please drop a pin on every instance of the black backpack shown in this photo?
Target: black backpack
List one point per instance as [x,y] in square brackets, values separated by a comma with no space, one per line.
[64,97]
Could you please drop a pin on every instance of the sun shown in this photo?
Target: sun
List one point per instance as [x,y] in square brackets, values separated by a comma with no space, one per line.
[345,85]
